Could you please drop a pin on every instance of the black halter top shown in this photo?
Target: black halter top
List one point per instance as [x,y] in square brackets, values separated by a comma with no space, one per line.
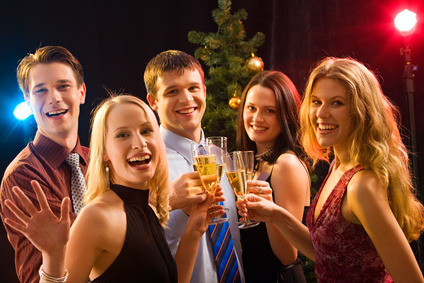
[145,256]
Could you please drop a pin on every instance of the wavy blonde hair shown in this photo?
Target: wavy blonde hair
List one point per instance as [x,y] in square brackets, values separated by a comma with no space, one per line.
[97,177]
[375,141]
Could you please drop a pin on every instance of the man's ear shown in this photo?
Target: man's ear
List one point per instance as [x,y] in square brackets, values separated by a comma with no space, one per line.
[152,102]
[83,91]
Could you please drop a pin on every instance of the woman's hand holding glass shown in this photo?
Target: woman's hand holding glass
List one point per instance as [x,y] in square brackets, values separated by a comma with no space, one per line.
[256,208]
[204,212]
[259,188]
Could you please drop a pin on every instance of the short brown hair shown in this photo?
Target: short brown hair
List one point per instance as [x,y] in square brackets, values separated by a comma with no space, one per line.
[169,61]
[45,55]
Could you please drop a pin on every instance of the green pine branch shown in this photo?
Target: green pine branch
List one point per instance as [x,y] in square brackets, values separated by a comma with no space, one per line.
[225,52]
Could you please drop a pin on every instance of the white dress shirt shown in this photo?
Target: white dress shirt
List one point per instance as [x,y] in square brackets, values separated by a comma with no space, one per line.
[180,161]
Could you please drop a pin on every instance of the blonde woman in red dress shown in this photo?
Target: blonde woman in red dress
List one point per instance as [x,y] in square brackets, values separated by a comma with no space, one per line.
[365,213]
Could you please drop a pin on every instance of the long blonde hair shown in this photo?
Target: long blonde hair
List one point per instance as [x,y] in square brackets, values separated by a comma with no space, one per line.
[97,177]
[375,142]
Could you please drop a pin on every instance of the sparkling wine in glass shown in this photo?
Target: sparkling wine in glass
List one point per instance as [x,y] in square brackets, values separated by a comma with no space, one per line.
[236,174]
[208,171]
[237,179]
[205,163]
[220,171]
[249,163]
[218,145]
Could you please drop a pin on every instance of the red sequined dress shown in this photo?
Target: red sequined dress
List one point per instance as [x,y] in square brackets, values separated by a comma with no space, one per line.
[344,252]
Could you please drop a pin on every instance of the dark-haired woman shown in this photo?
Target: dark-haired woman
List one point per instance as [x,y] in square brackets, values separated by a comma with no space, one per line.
[268,125]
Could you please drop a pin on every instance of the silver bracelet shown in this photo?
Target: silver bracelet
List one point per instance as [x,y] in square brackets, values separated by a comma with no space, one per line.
[52,279]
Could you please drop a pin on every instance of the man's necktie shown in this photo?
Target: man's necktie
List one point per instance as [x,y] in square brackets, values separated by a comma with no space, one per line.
[77,182]
[224,252]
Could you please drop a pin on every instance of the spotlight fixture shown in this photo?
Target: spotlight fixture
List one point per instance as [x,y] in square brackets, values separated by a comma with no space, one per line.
[405,22]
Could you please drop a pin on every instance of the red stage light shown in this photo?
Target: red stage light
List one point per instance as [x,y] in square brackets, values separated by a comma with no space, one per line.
[405,22]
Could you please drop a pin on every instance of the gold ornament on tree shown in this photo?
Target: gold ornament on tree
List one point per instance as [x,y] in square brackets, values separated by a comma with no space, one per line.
[206,53]
[255,63]
[234,102]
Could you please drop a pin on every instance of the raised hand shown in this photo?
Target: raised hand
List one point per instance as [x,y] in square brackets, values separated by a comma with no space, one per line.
[203,213]
[259,188]
[219,193]
[188,190]
[46,232]
[257,208]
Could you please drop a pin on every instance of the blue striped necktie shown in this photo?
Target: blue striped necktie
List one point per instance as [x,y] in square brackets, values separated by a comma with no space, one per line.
[224,252]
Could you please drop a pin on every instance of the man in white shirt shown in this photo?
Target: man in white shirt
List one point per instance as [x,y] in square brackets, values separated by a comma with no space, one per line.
[176,91]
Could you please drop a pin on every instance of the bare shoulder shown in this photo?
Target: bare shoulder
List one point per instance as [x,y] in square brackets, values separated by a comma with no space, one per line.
[97,215]
[289,162]
[366,190]
[366,187]
[290,181]
[366,199]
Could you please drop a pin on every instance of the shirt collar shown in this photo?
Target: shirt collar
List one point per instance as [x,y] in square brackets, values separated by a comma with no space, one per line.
[180,144]
[54,153]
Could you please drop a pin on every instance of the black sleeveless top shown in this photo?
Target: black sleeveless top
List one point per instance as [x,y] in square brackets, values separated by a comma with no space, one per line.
[259,261]
[145,256]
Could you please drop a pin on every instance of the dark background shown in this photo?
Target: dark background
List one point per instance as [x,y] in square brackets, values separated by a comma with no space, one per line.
[114,40]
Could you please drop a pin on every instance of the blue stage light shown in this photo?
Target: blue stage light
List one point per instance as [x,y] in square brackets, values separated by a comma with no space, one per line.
[22,111]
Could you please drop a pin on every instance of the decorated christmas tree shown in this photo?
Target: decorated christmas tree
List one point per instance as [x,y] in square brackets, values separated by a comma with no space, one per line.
[231,63]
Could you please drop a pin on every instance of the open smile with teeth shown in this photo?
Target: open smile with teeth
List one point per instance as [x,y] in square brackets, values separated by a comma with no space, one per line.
[56,113]
[326,127]
[139,160]
[258,128]
[187,110]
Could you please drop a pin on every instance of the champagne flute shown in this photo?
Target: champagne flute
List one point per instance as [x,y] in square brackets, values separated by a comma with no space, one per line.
[205,162]
[249,163]
[248,157]
[236,174]
[218,145]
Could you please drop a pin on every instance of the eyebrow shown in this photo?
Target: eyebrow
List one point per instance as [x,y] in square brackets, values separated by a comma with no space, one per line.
[334,97]
[63,81]
[125,127]
[266,106]
[58,81]
[39,85]
[194,83]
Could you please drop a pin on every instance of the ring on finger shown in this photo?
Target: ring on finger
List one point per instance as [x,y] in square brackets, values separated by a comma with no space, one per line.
[260,190]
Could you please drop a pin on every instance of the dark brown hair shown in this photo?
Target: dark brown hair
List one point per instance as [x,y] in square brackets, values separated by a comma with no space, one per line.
[288,103]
